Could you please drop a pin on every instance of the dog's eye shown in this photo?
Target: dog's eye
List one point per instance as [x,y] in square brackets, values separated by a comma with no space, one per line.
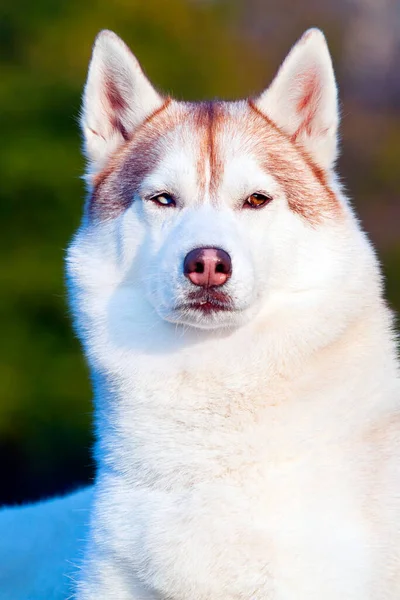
[257,201]
[163,199]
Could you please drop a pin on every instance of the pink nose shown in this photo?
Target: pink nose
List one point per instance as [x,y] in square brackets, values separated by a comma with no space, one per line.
[207,267]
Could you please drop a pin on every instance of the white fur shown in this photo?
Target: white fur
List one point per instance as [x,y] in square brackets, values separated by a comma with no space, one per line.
[243,456]
[309,59]
[112,59]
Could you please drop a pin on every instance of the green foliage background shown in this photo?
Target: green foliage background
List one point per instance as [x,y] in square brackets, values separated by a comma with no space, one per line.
[192,50]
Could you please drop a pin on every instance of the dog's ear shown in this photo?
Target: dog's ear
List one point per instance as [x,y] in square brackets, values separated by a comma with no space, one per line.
[117,98]
[302,99]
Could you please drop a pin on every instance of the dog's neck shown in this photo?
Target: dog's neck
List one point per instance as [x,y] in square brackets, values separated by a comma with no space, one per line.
[157,409]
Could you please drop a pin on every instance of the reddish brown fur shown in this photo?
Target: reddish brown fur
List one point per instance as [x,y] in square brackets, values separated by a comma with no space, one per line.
[304,183]
[208,120]
[308,102]
[115,99]
[201,120]
[279,160]
[117,106]
[115,185]
[216,159]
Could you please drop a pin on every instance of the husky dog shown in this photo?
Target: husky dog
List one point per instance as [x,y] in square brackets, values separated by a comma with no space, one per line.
[247,390]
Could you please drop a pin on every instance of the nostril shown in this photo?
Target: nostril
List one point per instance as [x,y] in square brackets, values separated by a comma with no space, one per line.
[199,267]
[220,268]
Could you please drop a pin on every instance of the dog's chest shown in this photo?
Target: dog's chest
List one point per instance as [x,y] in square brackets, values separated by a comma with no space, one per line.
[233,504]
[284,533]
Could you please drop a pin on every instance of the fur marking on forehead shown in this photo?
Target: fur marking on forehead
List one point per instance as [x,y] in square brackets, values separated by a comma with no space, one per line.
[211,125]
[209,119]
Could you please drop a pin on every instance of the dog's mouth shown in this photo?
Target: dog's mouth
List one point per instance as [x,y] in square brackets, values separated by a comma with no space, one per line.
[207,301]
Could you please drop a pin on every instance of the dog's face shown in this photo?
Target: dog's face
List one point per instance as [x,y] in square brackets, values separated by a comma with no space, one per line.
[211,209]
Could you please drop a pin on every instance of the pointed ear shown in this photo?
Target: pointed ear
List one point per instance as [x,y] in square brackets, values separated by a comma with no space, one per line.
[302,99]
[117,98]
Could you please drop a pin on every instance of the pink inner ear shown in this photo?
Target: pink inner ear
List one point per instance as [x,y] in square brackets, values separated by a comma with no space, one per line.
[307,105]
[113,95]
[116,106]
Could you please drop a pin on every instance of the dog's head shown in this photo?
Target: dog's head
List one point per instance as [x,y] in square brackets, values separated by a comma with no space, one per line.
[206,212]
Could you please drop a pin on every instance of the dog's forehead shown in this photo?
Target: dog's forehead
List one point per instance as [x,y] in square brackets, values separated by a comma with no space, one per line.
[198,145]
[194,147]
[213,146]
[205,148]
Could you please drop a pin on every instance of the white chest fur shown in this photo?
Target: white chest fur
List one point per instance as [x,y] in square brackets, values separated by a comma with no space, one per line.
[295,530]
[215,486]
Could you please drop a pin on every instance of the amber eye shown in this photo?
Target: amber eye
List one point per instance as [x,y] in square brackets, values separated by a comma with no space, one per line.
[257,201]
[164,200]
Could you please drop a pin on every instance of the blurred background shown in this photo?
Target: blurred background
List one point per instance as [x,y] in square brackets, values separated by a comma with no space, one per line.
[193,50]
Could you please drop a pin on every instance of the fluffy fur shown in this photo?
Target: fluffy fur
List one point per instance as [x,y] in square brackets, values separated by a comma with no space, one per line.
[250,453]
